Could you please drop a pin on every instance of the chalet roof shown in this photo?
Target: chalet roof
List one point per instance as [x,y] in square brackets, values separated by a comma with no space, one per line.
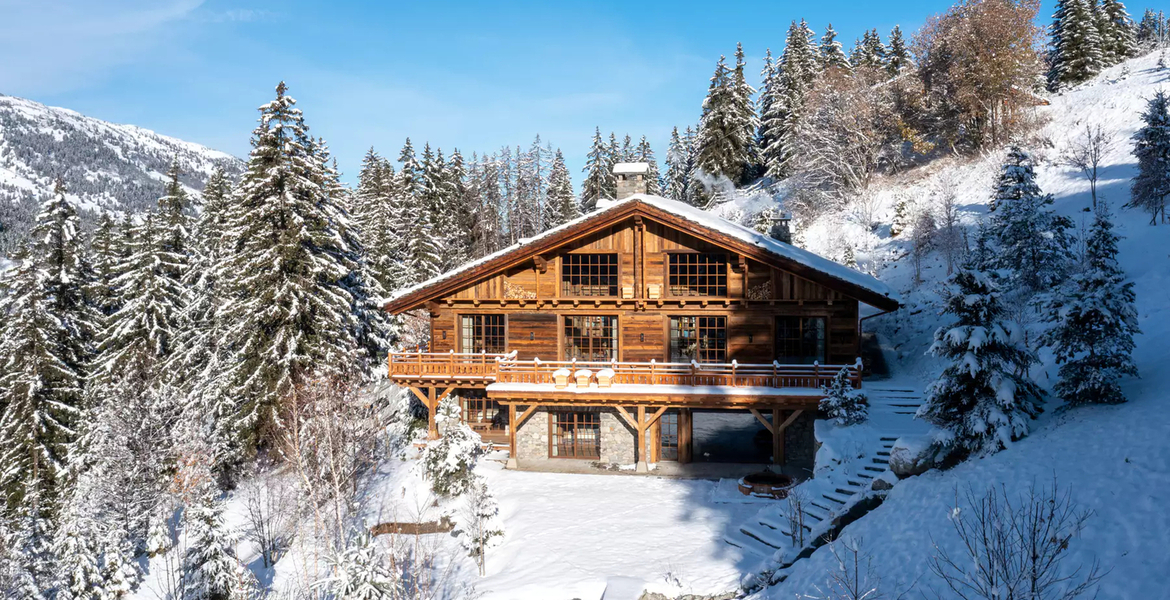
[852,282]
[631,168]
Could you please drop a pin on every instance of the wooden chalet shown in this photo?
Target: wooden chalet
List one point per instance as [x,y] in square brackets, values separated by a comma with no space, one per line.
[604,339]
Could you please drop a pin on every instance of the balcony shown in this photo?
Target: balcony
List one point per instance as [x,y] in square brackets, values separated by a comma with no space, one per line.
[506,378]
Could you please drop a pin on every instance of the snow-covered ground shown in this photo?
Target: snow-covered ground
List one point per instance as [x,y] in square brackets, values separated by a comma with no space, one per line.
[1115,460]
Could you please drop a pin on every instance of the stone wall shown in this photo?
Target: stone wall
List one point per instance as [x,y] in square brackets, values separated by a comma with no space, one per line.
[800,443]
[617,438]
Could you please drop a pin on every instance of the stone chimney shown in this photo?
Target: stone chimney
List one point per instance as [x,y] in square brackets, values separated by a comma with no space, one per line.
[631,179]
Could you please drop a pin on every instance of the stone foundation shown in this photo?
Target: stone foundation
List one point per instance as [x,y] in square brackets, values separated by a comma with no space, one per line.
[800,443]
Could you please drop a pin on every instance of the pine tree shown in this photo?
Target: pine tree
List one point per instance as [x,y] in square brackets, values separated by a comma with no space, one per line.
[1118,38]
[799,67]
[842,403]
[34,564]
[598,172]
[106,248]
[744,111]
[832,54]
[78,556]
[773,113]
[1151,186]
[676,168]
[296,296]
[45,342]
[897,54]
[981,403]
[1147,30]
[562,204]
[211,570]
[1076,44]
[359,573]
[643,153]
[1094,324]
[721,147]
[1033,241]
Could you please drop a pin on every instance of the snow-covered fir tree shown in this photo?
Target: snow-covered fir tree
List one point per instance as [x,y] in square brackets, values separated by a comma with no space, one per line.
[1094,323]
[1117,31]
[105,252]
[598,172]
[32,565]
[1151,146]
[723,142]
[645,154]
[561,206]
[1033,242]
[360,573]
[799,68]
[1076,44]
[981,402]
[480,527]
[897,53]
[832,54]
[447,461]
[298,301]
[45,341]
[210,568]
[773,114]
[78,558]
[842,403]
[869,51]
[744,110]
[677,176]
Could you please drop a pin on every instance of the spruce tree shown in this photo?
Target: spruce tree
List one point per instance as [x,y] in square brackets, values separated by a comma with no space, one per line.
[799,67]
[1094,323]
[744,111]
[1033,241]
[562,204]
[897,54]
[1151,146]
[598,172]
[676,168]
[211,570]
[1076,44]
[981,403]
[1118,39]
[78,556]
[296,292]
[721,146]
[34,565]
[645,154]
[773,112]
[45,343]
[105,250]
[832,54]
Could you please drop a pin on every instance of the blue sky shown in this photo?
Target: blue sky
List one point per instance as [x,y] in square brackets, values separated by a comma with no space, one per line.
[458,74]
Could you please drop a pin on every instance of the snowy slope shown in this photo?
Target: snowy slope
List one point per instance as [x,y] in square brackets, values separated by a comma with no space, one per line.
[105,166]
[1116,460]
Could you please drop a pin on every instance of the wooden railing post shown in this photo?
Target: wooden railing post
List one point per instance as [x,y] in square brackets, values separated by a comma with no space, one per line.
[816,373]
[734,378]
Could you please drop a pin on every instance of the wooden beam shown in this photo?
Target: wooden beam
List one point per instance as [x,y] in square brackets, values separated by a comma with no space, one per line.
[527,413]
[625,415]
[512,425]
[790,419]
[640,455]
[761,419]
[654,417]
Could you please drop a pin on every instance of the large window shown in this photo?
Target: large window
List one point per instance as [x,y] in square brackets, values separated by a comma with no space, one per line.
[702,339]
[589,275]
[482,333]
[800,340]
[591,338]
[697,274]
[481,413]
[668,435]
[575,435]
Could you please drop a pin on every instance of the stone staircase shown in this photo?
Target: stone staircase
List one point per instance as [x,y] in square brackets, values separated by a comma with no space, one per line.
[830,495]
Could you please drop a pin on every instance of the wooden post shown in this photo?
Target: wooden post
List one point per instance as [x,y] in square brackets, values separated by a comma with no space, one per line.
[684,435]
[512,464]
[640,454]
[777,439]
[432,407]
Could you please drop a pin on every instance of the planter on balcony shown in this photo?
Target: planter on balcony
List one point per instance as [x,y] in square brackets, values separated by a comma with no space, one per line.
[605,378]
[583,376]
[561,377]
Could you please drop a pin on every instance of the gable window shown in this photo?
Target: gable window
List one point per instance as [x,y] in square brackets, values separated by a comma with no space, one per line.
[701,339]
[574,435]
[800,340]
[591,338]
[589,275]
[482,333]
[697,274]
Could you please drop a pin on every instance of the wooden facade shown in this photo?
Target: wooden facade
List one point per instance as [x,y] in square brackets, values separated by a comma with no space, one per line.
[682,315]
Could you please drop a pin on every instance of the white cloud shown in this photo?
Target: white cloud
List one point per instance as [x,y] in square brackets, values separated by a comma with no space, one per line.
[57,46]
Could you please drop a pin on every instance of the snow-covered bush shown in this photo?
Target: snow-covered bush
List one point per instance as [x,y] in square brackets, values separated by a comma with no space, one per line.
[480,527]
[447,461]
[360,573]
[842,403]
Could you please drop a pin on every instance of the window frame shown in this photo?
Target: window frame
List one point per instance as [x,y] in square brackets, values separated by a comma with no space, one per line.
[564,288]
[564,337]
[461,335]
[697,329]
[778,341]
[723,263]
[580,419]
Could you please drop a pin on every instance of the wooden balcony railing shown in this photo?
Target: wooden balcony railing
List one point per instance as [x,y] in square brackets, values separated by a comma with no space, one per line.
[504,368]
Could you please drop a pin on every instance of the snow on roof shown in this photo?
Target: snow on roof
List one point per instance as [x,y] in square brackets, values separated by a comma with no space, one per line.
[631,168]
[699,217]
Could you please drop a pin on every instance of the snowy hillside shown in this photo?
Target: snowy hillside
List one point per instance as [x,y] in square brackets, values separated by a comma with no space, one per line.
[105,166]
[1114,460]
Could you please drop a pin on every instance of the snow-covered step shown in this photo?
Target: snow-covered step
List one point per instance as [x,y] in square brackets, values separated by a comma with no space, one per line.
[749,545]
[773,538]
